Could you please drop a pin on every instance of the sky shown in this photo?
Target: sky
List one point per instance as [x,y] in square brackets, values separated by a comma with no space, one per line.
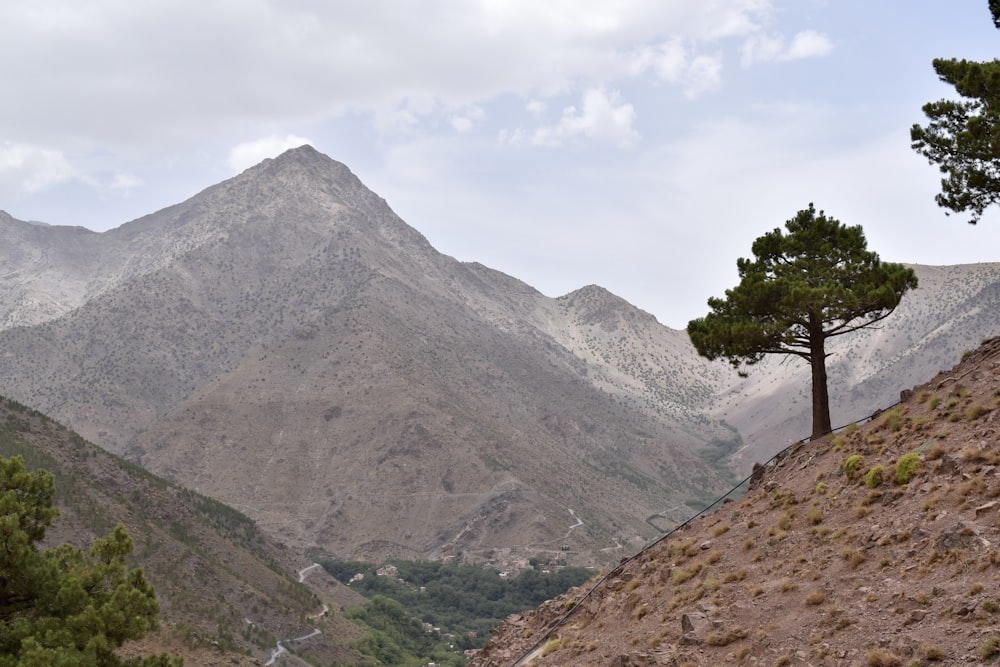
[641,145]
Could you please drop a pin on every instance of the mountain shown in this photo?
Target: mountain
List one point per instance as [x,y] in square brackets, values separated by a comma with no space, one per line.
[227,592]
[285,343]
[874,546]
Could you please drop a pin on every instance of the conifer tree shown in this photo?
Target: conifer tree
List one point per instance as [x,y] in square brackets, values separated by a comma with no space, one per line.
[63,607]
[815,282]
[963,136]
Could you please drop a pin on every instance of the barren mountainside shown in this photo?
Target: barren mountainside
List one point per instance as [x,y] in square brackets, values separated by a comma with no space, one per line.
[283,342]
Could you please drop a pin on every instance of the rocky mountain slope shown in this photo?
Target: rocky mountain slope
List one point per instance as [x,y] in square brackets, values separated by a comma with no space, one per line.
[227,592]
[874,546]
[285,343]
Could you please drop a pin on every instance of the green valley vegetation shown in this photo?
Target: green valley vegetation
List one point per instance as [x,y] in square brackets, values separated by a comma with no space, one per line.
[420,611]
[65,606]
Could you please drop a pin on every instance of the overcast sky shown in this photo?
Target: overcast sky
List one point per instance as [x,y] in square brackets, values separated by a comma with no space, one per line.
[641,145]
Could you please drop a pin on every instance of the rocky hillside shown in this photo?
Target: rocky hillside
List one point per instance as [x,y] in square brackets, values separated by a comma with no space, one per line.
[285,343]
[874,546]
[227,592]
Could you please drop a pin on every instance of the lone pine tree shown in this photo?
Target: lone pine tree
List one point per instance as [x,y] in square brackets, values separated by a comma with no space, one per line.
[815,282]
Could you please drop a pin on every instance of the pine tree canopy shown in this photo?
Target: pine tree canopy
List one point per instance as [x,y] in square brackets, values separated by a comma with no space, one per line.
[963,137]
[812,283]
[63,607]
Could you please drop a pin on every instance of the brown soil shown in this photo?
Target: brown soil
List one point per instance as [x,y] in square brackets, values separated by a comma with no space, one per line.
[818,564]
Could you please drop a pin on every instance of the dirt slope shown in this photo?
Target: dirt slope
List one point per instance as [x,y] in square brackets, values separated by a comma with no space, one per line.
[817,564]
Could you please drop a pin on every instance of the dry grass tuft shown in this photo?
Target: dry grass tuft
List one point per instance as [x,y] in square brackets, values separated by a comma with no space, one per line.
[815,597]
[879,658]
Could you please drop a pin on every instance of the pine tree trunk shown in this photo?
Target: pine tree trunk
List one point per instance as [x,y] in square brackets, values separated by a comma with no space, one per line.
[820,396]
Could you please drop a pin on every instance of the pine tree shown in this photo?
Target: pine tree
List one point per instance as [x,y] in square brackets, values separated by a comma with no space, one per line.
[963,136]
[815,282]
[63,607]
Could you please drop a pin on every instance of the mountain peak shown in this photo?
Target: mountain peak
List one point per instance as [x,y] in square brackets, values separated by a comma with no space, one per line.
[303,170]
[304,157]
[596,305]
[305,153]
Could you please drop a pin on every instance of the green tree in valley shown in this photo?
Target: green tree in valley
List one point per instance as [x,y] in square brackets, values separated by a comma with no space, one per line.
[963,136]
[63,607]
[804,287]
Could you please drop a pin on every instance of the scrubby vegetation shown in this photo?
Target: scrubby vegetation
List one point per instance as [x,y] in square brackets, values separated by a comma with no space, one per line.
[906,467]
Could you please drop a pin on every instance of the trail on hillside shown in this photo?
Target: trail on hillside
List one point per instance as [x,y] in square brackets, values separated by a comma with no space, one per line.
[280,649]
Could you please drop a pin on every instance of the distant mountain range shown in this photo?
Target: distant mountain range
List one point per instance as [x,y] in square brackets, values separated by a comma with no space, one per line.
[283,342]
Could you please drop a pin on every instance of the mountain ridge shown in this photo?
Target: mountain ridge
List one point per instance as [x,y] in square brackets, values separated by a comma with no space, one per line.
[293,280]
[286,325]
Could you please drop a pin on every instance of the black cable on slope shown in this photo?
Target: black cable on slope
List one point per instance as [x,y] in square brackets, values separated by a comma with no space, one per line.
[562,619]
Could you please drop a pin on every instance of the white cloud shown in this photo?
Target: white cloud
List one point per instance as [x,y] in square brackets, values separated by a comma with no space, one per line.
[124,182]
[535,107]
[604,117]
[255,64]
[467,119]
[248,154]
[809,44]
[515,137]
[26,169]
[673,62]
[763,48]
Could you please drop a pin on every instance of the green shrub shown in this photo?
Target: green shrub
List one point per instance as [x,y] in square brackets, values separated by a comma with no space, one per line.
[875,477]
[853,465]
[906,466]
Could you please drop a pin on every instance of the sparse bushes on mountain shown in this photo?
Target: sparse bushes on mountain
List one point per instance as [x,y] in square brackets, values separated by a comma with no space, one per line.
[990,647]
[875,477]
[906,466]
[63,606]
[892,420]
[853,465]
